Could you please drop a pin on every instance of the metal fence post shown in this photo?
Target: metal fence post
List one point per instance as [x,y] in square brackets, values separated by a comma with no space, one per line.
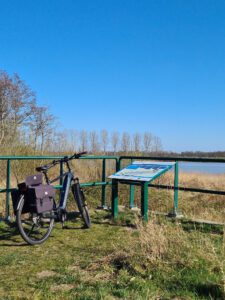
[176,212]
[144,201]
[103,204]
[132,193]
[114,198]
[8,175]
[176,169]
[118,164]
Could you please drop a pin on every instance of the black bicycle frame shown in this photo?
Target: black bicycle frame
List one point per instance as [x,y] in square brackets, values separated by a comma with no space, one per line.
[65,190]
[68,177]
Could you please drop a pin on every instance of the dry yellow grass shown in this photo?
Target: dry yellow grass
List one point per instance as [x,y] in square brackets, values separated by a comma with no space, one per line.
[165,246]
[203,206]
[204,181]
[191,204]
[194,205]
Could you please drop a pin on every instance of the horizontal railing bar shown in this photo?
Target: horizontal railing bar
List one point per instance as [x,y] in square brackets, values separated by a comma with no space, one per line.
[204,191]
[28,157]
[161,186]
[173,158]
[99,157]
[54,157]
[97,183]
[184,159]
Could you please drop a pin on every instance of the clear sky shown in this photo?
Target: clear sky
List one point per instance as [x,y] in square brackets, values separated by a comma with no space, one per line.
[143,65]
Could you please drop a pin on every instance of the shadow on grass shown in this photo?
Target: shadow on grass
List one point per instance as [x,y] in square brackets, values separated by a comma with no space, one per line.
[8,233]
[127,219]
[210,291]
[201,290]
[75,218]
[189,226]
[124,219]
[9,230]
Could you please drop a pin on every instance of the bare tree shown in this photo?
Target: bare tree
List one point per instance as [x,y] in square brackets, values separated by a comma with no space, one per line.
[59,142]
[157,144]
[147,141]
[125,142]
[74,141]
[137,142]
[16,105]
[83,140]
[5,86]
[115,141]
[22,103]
[104,139]
[94,141]
[41,126]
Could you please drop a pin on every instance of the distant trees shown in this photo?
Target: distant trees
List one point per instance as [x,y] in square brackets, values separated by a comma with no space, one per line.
[41,125]
[104,140]
[20,116]
[83,140]
[125,142]
[24,123]
[115,141]
[137,142]
[147,141]
[94,142]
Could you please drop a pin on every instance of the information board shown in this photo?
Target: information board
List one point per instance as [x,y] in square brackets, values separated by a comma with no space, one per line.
[143,171]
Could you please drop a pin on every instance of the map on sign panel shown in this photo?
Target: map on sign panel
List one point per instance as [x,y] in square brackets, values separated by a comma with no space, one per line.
[143,170]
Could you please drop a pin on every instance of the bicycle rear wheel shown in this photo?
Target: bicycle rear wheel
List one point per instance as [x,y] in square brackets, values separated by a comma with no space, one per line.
[34,228]
[81,204]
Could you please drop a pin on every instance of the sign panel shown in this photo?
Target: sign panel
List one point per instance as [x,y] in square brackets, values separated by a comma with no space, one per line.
[143,171]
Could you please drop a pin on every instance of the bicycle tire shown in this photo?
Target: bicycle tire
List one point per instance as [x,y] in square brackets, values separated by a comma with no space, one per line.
[34,228]
[80,201]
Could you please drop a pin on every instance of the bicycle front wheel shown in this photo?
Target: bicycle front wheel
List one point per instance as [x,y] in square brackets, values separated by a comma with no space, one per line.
[82,206]
[34,228]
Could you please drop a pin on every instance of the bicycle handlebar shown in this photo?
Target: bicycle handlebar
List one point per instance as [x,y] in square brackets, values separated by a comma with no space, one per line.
[63,160]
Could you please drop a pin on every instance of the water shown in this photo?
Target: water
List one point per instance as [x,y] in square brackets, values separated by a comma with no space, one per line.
[207,168]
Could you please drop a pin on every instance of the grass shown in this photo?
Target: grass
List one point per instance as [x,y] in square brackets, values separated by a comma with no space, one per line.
[123,259]
[126,259]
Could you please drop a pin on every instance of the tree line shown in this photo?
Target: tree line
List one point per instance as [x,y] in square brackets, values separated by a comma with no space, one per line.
[28,126]
[106,142]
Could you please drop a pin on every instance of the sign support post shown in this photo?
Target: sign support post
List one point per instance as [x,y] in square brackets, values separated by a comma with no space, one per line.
[132,191]
[144,200]
[114,198]
[141,173]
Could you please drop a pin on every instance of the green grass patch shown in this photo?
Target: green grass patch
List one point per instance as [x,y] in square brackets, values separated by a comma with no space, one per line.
[121,259]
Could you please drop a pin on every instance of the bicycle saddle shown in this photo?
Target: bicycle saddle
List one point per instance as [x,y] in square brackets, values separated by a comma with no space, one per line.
[42,169]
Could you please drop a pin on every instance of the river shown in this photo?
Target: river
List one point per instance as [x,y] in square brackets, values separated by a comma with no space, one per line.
[197,167]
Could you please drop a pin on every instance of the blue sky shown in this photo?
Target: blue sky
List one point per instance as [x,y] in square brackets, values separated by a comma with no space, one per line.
[129,65]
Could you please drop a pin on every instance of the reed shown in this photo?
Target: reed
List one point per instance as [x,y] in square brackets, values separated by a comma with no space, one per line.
[192,205]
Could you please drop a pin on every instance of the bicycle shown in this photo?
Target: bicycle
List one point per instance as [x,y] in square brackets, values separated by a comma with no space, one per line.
[36,209]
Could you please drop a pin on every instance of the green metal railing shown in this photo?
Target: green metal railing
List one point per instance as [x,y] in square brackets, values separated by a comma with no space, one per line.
[104,183]
[176,186]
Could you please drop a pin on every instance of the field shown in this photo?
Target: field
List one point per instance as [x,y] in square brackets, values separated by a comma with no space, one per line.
[116,260]
[124,259]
